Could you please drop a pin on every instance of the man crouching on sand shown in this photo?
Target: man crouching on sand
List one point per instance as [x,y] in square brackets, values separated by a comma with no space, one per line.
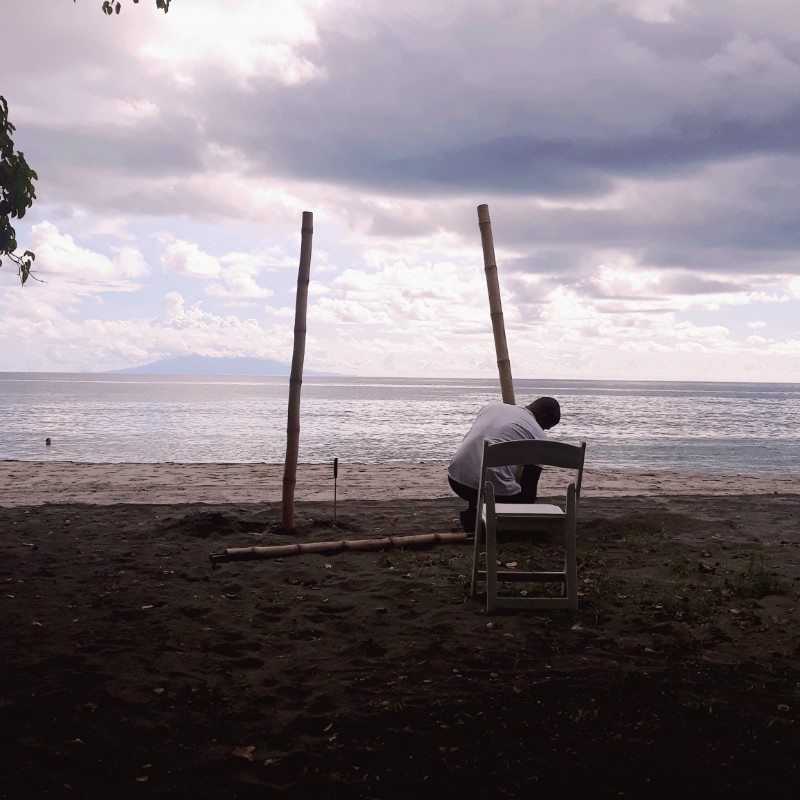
[500,422]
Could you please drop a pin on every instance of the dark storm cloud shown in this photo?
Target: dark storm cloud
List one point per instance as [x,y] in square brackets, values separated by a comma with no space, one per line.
[505,98]
[564,167]
[691,284]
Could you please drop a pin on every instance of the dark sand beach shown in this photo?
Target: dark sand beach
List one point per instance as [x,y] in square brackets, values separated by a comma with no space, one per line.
[134,668]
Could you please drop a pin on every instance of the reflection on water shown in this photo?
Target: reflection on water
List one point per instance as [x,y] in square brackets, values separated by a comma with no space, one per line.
[716,427]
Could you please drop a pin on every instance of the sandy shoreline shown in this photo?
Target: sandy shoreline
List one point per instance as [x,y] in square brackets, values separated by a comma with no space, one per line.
[36,483]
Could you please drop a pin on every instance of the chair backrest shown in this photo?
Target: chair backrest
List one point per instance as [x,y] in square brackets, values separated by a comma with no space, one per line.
[545,453]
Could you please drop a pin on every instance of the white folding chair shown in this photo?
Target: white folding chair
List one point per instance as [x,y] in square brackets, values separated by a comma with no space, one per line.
[495,519]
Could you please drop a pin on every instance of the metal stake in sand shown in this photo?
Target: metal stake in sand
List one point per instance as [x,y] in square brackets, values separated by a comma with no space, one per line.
[495,306]
[296,377]
[335,476]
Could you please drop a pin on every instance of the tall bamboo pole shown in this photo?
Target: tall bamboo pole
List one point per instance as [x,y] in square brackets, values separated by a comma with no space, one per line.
[296,377]
[495,306]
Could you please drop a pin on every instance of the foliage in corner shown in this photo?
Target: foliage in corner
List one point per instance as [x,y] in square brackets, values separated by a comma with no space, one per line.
[16,194]
[115,8]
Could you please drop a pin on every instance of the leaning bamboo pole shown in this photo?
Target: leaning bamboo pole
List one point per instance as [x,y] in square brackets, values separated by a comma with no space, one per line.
[296,377]
[495,305]
[302,548]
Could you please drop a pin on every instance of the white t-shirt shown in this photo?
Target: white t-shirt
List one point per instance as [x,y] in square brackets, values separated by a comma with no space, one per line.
[497,422]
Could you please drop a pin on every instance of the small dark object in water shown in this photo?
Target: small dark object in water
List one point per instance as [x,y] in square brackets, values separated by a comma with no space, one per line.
[47,441]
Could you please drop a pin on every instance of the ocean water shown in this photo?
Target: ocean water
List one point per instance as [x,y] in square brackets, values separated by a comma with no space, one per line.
[98,418]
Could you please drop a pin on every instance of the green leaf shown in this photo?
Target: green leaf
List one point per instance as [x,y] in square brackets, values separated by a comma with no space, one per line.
[16,194]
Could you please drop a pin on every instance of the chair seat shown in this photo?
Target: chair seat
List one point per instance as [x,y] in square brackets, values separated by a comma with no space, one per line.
[531,517]
[527,510]
[523,514]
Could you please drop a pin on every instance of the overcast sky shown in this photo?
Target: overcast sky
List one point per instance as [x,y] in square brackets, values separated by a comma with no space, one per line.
[640,160]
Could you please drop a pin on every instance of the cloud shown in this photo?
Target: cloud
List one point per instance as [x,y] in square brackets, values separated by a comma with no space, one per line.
[266,42]
[186,258]
[70,268]
[232,275]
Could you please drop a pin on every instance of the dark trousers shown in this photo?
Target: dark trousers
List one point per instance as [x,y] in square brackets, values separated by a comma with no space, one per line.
[529,484]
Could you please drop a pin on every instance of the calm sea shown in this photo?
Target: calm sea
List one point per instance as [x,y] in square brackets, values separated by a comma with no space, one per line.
[692,427]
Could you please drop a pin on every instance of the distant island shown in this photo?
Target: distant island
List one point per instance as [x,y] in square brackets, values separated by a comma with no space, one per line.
[213,365]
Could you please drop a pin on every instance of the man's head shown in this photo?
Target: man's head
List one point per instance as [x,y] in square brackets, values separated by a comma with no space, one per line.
[546,411]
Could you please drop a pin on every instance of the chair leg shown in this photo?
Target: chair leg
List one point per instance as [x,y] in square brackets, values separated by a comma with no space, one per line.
[491,565]
[571,566]
[572,572]
[476,554]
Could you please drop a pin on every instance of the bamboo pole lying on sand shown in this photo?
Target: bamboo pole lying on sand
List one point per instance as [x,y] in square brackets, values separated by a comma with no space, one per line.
[302,548]
[495,305]
[296,377]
